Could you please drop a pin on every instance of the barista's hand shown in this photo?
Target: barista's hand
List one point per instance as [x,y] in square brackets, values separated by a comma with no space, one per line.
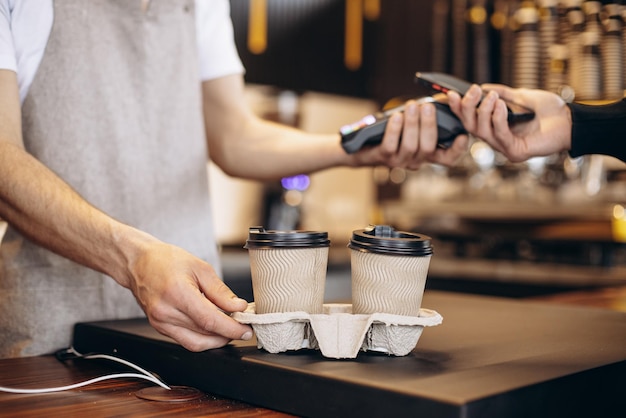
[184,298]
[549,132]
[411,139]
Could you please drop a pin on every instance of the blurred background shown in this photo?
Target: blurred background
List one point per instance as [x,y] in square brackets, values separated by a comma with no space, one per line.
[545,226]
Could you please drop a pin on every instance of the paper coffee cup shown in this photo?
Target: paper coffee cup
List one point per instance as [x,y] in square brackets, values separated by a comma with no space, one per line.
[389,270]
[288,270]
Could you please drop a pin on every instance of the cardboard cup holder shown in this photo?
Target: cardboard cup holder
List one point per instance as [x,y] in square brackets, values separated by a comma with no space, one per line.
[338,333]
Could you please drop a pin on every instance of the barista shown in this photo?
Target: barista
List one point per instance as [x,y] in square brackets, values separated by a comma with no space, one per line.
[108,111]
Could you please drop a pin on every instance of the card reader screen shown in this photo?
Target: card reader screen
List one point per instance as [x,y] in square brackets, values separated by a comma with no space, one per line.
[353,127]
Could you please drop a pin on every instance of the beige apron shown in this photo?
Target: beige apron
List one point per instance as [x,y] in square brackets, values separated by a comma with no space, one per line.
[115,110]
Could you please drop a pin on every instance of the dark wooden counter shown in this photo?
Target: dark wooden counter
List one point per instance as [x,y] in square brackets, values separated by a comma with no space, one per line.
[103,399]
[613,298]
[491,357]
[117,397]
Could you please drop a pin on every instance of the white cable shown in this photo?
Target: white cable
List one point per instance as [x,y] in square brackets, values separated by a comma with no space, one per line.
[85,383]
[119,360]
[144,374]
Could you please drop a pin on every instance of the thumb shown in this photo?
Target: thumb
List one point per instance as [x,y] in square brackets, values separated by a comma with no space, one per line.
[222,297]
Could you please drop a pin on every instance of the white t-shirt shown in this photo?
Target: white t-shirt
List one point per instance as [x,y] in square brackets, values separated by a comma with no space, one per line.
[25,27]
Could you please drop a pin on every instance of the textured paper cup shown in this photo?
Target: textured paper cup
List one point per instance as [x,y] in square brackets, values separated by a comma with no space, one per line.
[288,270]
[389,270]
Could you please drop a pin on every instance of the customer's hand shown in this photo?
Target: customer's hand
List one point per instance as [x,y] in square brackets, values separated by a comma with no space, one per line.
[410,140]
[184,298]
[549,132]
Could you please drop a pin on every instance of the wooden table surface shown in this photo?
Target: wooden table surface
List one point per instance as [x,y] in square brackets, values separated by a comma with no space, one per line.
[612,297]
[117,397]
[111,398]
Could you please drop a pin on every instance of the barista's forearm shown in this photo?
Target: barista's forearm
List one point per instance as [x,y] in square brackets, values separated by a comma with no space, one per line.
[244,145]
[47,211]
[271,151]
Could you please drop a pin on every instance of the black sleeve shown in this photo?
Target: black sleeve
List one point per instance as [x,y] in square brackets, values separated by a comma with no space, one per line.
[599,129]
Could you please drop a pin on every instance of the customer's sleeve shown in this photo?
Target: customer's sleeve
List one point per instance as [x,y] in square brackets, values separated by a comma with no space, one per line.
[599,129]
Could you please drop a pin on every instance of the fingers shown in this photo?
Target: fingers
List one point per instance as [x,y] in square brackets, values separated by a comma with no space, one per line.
[484,115]
[454,101]
[501,127]
[217,292]
[453,154]
[185,300]
[471,101]
[492,125]
[410,131]
[419,135]
[480,111]
[465,108]
[185,314]
[204,303]
[400,138]
[393,132]
[410,137]
[189,338]
[502,90]
[428,128]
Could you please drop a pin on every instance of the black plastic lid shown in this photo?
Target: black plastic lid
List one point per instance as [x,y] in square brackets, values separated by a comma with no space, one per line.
[383,239]
[258,237]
